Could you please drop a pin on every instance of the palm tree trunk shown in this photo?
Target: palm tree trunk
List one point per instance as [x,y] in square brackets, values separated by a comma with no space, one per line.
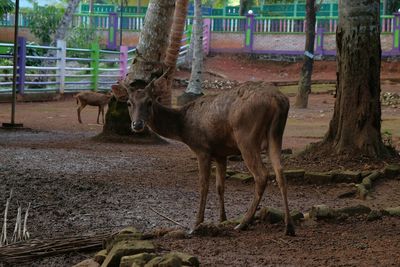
[178,26]
[147,64]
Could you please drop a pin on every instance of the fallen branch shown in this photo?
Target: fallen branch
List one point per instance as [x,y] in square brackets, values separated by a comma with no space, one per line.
[169,219]
[35,249]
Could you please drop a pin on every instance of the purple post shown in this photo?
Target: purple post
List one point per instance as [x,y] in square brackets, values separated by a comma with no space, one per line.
[21,64]
[206,35]
[320,42]
[112,31]
[123,61]
[396,33]
[249,33]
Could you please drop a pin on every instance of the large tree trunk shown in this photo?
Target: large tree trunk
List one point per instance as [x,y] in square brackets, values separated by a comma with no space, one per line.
[356,124]
[66,20]
[147,64]
[307,69]
[178,26]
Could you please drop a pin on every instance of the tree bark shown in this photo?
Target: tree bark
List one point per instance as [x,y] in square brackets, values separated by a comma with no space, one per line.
[306,72]
[178,26]
[147,64]
[194,86]
[194,89]
[66,20]
[356,124]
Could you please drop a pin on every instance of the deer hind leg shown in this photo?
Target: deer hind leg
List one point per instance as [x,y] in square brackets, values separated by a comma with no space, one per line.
[220,185]
[98,115]
[252,158]
[81,106]
[102,113]
[204,161]
[275,146]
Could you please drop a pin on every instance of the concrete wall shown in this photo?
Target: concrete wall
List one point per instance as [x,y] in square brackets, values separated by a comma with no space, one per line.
[221,42]
[287,42]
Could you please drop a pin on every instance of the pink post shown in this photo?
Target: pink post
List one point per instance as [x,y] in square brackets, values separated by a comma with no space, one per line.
[123,59]
[206,35]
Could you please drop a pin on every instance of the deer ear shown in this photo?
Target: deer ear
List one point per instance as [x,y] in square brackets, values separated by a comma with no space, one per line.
[120,93]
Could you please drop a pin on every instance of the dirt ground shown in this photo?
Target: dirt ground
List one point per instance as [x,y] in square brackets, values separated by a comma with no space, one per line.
[78,186]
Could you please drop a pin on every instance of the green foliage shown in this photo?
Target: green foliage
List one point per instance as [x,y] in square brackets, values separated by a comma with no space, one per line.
[44,21]
[393,6]
[82,37]
[6,6]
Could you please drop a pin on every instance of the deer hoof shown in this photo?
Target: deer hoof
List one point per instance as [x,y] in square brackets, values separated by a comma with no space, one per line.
[290,230]
[241,226]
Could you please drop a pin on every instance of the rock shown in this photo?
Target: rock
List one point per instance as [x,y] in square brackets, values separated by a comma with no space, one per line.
[317,178]
[176,234]
[355,210]
[235,158]
[168,260]
[296,215]
[126,248]
[322,212]
[129,233]
[287,151]
[243,177]
[374,215]
[136,260]
[87,263]
[362,191]
[346,176]
[187,260]
[100,256]
[393,211]
[348,194]
[294,174]
[271,215]
[392,170]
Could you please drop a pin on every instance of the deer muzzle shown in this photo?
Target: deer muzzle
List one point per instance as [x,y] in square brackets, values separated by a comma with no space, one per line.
[138,126]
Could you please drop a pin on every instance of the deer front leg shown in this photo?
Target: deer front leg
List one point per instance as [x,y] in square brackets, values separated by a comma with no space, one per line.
[204,162]
[79,112]
[220,184]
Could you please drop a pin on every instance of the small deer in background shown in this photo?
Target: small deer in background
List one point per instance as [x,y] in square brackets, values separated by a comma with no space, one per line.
[92,99]
[246,120]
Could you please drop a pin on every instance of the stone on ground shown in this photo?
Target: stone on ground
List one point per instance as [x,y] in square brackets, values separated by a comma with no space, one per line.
[136,260]
[100,256]
[317,178]
[322,212]
[187,260]
[271,215]
[168,260]
[87,263]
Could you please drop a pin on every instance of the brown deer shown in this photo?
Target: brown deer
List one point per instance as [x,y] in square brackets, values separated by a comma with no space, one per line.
[92,99]
[245,120]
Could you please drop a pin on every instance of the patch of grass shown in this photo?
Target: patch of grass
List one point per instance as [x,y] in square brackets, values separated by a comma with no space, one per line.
[315,88]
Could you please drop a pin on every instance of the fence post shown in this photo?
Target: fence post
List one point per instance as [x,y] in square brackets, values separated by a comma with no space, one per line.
[61,61]
[123,61]
[206,35]
[320,42]
[249,33]
[112,31]
[94,64]
[21,62]
[396,33]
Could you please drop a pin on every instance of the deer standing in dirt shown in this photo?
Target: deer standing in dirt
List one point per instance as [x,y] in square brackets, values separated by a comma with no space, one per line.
[245,120]
[92,99]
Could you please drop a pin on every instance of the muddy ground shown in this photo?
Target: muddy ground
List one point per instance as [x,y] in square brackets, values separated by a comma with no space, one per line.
[78,186]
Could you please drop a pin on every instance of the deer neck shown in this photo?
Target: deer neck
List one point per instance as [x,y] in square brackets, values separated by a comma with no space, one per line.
[167,122]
